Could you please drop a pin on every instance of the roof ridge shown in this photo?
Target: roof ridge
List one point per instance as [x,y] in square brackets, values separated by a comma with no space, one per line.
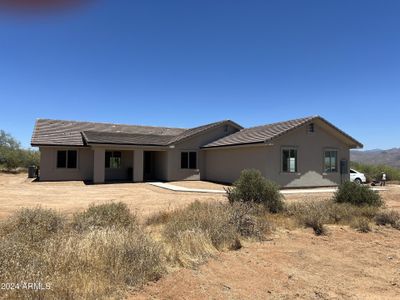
[108,123]
[308,118]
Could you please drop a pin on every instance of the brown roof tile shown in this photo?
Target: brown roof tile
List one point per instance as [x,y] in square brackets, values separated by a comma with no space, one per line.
[265,133]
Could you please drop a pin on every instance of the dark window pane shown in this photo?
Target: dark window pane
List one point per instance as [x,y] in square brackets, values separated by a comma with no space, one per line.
[117,154]
[107,160]
[72,159]
[192,160]
[285,160]
[289,160]
[61,159]
[184,160]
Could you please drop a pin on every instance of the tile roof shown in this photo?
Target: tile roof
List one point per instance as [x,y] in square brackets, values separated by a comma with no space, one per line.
[120,138]
[265,133]
[68,133]
[196,130]
[72,133]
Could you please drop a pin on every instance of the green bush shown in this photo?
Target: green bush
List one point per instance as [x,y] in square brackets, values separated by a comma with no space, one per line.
[33,225]
[350,192]
[104,215]
[12,156]
[253,187]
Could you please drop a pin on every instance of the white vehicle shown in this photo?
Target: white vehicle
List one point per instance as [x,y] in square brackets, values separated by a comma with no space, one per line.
[357,177]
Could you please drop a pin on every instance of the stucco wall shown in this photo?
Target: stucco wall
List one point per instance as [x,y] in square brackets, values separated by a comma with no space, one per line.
[193,144]
[49,170]
[225,165]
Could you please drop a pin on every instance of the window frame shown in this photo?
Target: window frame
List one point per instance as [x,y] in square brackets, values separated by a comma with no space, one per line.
[66,159]
[290,148]
[330,161]
[112,156]
[188,152]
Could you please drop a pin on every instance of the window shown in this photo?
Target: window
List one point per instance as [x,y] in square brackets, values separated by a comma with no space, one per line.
[352,172]
[113,160]
[188,160]
[330,161]
[67,159]
[289,160]
[226,128]
[310,128]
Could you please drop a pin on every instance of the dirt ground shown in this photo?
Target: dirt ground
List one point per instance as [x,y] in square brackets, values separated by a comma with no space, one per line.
[294,265]
[18,191]
[291,264]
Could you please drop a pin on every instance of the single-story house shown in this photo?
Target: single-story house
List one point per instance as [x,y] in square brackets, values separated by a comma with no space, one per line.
[305,152]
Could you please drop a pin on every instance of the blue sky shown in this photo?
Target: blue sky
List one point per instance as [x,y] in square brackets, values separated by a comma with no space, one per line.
[186,63]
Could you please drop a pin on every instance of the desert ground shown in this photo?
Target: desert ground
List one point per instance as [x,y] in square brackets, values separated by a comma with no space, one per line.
[292,263]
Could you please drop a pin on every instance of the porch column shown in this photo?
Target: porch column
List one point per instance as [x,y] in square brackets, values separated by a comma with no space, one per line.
[138,166]
[98,165]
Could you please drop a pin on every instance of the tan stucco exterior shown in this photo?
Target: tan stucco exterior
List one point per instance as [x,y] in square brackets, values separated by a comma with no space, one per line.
[214,164]
[225,164]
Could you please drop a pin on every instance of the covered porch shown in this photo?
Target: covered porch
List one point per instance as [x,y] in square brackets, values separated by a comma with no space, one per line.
[128,164]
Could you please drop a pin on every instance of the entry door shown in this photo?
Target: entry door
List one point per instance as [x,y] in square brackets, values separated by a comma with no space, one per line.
[148,166]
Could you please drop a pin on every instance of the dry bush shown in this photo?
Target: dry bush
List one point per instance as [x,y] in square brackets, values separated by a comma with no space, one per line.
[211,218]
[90,264]
[314,214]
[361,224]
[390,217]
[158,218]
[191,248]
[202,228]
[32,225]
[103,216]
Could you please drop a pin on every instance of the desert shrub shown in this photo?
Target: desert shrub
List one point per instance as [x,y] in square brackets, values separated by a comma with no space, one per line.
[249,219]
[313,214]
[191,248]
[95,264]
[253,187]
[197,231]
[159,218]
[32,225]
[361,224]
[104,215]
[390,217]
[211,218]
[350,192]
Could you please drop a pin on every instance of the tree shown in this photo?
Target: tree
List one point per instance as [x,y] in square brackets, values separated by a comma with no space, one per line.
[13,156]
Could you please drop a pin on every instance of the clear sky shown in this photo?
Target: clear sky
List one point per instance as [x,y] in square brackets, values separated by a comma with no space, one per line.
[186,63]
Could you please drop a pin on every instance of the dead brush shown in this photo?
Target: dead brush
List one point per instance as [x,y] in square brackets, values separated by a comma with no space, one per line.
[361,224]
[191,248]
[217,226]
[390,217]
[90,264]
[113,214]
[33,225]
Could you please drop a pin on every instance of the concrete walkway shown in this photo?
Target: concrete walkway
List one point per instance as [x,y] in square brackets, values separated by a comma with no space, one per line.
[176,188]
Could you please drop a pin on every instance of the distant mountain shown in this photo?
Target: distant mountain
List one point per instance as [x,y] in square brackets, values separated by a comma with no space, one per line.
[389,157]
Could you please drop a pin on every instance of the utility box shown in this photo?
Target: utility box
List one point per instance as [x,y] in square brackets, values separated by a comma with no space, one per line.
[31,172]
